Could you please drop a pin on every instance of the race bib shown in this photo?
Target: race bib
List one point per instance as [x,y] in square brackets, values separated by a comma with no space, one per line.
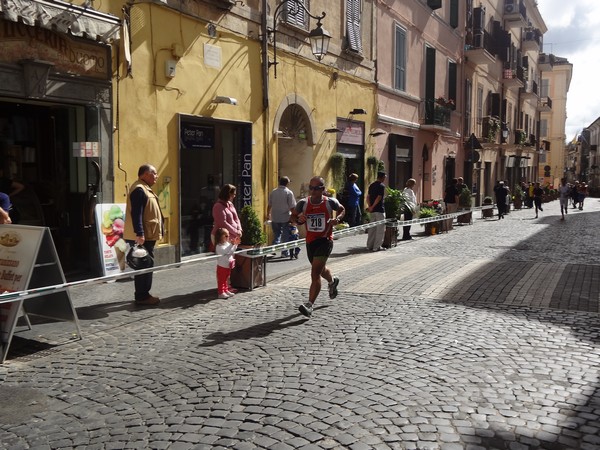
[315,222]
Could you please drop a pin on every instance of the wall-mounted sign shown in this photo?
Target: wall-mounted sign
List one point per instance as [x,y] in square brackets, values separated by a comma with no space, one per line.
[86,149]
[67,55]
[352,132]
[197,136]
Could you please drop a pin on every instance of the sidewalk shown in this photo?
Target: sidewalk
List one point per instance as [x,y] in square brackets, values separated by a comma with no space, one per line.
[485,337]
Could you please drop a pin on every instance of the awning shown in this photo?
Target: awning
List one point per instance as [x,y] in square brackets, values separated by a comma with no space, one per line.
[63,17]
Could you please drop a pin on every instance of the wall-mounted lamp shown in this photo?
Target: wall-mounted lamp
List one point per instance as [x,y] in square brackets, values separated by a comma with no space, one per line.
[212,29]
[377,132]
[225,100]
[319,37]
[357,111]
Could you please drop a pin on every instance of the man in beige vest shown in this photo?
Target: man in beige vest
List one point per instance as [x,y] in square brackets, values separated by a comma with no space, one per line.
[143,226]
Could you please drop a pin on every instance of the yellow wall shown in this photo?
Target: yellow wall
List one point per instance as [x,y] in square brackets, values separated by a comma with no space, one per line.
[146,112]
[146,105]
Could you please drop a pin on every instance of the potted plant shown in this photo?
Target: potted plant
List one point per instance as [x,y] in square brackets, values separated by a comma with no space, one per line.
[489,212]
[337,162]
[393,203]
[430,227]
[249,270]
[518,197]
[465,201]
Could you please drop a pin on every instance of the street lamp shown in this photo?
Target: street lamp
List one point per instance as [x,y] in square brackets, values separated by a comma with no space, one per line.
[319,37]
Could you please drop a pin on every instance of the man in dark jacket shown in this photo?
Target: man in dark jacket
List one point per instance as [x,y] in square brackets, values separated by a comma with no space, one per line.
[501,192]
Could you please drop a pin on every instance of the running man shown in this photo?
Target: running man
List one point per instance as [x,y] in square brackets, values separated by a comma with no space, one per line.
[316,213]
[564,191]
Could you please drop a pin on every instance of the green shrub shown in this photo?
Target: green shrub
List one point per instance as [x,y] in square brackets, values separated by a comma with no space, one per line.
[253,233]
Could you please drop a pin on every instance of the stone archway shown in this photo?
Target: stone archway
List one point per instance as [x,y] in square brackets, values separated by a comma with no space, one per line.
[294,130]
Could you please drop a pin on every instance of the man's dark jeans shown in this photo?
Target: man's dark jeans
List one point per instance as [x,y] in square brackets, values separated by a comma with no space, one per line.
[143,283]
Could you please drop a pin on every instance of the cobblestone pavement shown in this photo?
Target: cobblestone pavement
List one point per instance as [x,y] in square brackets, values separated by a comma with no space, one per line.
[484,337]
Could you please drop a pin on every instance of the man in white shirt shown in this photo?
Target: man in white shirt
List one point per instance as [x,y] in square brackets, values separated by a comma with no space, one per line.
[281,202]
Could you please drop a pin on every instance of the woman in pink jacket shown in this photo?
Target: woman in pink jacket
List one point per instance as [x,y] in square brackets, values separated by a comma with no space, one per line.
[225,215]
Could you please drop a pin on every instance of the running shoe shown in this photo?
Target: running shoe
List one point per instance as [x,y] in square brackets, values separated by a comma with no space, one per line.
[333,292]
[306,309]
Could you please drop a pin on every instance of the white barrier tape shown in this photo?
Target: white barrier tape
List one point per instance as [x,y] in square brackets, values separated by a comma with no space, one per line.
[250,252]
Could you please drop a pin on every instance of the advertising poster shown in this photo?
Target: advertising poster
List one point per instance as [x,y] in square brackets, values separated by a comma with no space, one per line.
[18,249]
[110,222]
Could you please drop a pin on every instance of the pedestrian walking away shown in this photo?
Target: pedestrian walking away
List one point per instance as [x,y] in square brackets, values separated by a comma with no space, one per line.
[375,196]
[144,226]
[225,248]
[564,191]
[317,213]
[281,202]
[538,193]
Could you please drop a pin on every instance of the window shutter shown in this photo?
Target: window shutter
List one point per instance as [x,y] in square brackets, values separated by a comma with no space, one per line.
[295,15]
[452,71]
[454,13]
[400,61]
[353,25]
[494,99]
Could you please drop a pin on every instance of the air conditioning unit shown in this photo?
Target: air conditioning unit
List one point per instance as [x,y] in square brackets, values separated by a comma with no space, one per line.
[509,7]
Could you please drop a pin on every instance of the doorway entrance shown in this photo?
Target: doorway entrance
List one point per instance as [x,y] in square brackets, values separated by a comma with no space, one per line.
[211,153]
[36,150]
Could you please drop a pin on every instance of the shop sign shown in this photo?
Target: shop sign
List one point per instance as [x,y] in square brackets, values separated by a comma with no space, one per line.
[352,132]
[74,57]
[197,136]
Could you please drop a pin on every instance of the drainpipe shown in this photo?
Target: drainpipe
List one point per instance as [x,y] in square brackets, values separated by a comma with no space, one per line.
[265,94]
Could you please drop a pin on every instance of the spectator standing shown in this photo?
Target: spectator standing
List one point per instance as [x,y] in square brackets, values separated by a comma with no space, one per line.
[225,215]
[451,200]
[375,196]
[353,193]
[225,248]
[581,194]
[316,212]
[409,208]
[530,189]
[281,203]
[4,208]
[144,226]
[501,192]
[538,193]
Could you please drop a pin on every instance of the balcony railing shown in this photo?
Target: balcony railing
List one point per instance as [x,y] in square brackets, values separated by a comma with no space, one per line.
[437,114]
[532,35]
[545,104]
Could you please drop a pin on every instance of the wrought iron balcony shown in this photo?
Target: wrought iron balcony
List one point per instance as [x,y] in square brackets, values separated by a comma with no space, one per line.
[545,104]
[481,48]
[532,40]
[515,13]
[514,77]
[437,115]
[546,61]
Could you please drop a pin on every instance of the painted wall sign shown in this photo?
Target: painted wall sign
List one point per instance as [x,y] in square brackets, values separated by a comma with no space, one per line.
[70,56]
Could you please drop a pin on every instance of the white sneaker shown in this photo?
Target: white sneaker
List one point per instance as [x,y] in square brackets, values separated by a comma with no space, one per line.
[223,295]
[231,294]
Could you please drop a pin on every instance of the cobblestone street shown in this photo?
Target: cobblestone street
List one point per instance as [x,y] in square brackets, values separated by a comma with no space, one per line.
[486,337]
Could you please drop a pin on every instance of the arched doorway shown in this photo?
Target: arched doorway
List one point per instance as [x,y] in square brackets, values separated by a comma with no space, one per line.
[294,129]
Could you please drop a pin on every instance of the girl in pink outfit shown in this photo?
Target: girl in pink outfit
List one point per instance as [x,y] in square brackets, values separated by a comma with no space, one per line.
[225,248]
[225,215]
